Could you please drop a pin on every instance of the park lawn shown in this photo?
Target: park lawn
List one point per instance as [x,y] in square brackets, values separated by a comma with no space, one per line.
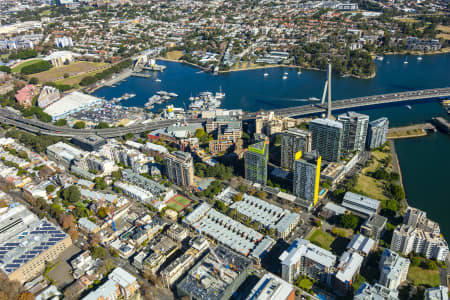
[175,206]
[182,200]
[398,133]
[175,55]
[73,69]
[19,67]
[74,80]
[321,239]
[419,276]
[344,232]
[370,186]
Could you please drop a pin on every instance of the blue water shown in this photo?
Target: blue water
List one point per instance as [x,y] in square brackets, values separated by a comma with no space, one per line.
[424,161]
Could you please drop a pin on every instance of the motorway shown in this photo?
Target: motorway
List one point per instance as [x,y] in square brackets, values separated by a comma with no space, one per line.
[35,126]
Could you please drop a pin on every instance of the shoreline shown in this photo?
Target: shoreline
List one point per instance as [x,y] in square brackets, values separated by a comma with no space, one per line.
[396,165]
[371,76]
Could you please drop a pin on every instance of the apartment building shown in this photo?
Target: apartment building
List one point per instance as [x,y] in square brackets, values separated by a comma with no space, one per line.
[420,235]
[271,287]
[393,269]
[307,176]
[327,138]
[377,291]
[179,167]
[377,132]
[256,158]
[120,284]
[304,258]
[361,205]
[354,131]
[294,140]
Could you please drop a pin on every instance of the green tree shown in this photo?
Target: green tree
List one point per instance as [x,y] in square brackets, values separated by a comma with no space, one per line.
[34,80]
[102,125]
[102,212]
[100,183]
[61,122]
[71,194]
[349,221]
[79,125]
[50,188]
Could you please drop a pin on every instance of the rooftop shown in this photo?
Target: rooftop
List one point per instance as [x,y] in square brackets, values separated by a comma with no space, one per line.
[327,122]
[271,287]
[23,237]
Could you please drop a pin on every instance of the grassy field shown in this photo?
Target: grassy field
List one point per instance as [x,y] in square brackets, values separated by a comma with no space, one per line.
[175,206]
[182,200]
[372,187]
[321,239]
[74,69]
[406,132]
[445,32]
[175,55]
[419,276]
[74,80]
[19,67]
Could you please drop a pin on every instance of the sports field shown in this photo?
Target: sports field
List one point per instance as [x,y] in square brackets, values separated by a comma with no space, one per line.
[178,203]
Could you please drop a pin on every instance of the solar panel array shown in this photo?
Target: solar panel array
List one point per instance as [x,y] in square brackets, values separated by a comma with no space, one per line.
[15,254]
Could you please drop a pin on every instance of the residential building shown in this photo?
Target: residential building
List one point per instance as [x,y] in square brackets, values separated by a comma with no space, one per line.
[407,239]
[64,154]
[354,131]
[120,283]
[62,42]
[177,232]
[27,243]
[361,205]
[271,216]
[374,226]
[88,226]
[294,140]
[89,143]
[393,269]
[347,270]
[271,287]
[436,293]
[25,95]
[327,138]
[377,132]
[304,258]
[179,168]
[256,158]
[361,244]
[375,292]
[306,177]
[420,235]
[182,263]
[48,95]
[216,276]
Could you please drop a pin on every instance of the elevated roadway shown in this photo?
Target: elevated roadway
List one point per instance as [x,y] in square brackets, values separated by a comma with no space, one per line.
[35,126]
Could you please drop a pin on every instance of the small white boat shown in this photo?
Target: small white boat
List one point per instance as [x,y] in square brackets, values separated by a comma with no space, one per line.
[313,99]
[173,95]
[419,58]
[406,61]
[284,77]
[299,72]
[380,58]
[408,106]
[266,74]
[285,73]
[158,80]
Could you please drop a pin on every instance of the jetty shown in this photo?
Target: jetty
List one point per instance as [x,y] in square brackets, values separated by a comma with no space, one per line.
[442,124]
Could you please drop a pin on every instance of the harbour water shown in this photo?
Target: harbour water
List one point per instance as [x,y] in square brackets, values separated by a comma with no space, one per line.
[425,162]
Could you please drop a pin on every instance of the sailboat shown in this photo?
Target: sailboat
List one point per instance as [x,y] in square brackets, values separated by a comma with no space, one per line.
[406,61]
[299,71]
